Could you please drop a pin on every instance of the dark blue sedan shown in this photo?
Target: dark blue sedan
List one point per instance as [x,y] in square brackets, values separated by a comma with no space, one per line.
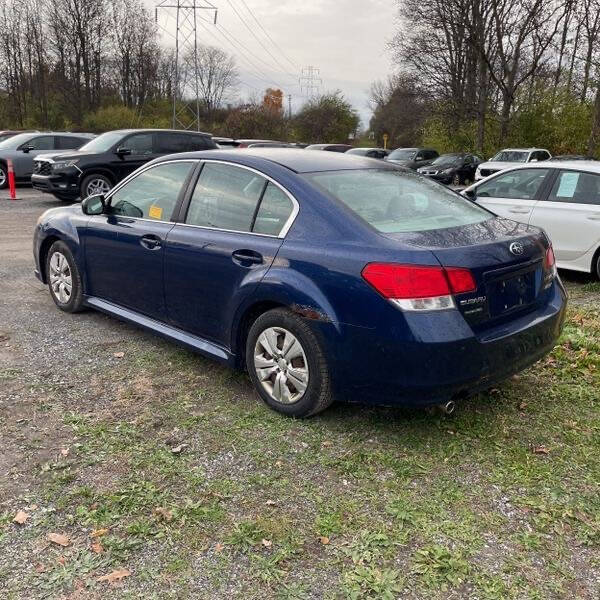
[324,275]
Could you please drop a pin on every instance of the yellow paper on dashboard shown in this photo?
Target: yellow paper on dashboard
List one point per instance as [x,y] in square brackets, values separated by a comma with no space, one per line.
[155,212]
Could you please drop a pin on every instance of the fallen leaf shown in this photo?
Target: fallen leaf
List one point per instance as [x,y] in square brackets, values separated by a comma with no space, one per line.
[324,540]
[540,450]
[21,517]
[64,451]
[61,560]
[116,575]
[59,539]
[270,503]
[98,533]
[219,547]
[278,463]
[523,405]
[327,443]
[178,449]
[164,514]
[40,568]
[97,548]
[119,354]
[267,543]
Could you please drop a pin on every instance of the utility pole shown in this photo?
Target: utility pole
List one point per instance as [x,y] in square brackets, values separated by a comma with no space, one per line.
[310,81]
[289,106]
[186,71]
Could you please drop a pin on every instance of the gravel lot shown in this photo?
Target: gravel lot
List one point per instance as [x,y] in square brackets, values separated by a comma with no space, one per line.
[164,472]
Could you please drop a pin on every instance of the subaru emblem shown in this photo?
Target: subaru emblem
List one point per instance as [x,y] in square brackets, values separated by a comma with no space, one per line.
[516,248]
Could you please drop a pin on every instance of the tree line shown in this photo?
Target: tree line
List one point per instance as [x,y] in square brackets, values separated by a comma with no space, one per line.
[481,74]
[96,65]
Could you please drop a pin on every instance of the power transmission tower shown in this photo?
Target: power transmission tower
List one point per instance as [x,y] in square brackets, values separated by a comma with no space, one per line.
[310,81]
[186,74]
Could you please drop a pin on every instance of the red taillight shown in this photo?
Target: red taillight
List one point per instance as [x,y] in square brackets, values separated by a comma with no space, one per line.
[461,280]
[550,260]
[411,281]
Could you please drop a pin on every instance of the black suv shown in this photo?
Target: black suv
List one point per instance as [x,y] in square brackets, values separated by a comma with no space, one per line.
[101,163]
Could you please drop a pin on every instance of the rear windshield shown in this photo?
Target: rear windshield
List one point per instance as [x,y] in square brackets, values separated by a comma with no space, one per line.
[395,201]
[510,156]
[403,154]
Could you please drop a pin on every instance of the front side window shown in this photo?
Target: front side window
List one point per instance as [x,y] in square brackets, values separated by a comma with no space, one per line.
[139,144]
[225,197]
[274,211]
[44,142]
[152,194]
[579,188]
[520,184]
[392,201]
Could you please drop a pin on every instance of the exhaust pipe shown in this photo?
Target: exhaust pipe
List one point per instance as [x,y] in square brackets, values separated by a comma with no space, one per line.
[448,408]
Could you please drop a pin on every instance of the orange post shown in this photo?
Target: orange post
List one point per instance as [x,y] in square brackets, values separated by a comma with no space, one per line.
[11,181]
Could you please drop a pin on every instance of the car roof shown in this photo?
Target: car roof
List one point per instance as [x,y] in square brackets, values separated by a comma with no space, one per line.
[592,166]
[158,130]
[297,160]
[522,150]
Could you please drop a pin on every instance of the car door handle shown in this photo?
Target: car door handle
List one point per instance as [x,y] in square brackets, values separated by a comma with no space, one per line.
[519,211]
[246,258]
[151,242]
[593,218]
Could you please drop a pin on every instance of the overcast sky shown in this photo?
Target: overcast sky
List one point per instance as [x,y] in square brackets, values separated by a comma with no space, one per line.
[344,39]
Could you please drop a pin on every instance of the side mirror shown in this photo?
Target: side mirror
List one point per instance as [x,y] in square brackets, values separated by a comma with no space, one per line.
[470,194]
[27,148]
[93,205]
[123,151]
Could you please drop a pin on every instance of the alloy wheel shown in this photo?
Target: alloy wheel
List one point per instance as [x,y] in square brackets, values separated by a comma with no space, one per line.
[97,186]
[2,177]
[456,180]
[280,364]
[61,281]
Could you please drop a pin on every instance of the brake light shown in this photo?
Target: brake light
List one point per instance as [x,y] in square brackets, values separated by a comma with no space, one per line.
[549,266]
[413,287]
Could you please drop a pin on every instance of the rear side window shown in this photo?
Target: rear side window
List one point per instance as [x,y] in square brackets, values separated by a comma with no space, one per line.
[520,184]
[579,188]
[70,143]
[152,194]
[274,211]
[394,201]
[225,197]
[182,142]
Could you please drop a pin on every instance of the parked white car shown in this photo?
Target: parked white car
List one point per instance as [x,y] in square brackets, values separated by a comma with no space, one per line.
[561,197]
[510,157]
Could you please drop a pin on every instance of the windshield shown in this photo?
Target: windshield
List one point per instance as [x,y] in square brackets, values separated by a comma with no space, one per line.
[403,154]
[448,160]
[510,156]
[395,202]
[16,140]
[103,142]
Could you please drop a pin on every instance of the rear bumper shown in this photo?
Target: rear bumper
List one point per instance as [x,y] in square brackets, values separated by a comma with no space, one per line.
[64,184]
[443,360]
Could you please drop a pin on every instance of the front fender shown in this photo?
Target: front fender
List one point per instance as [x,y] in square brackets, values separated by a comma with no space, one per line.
[58,226]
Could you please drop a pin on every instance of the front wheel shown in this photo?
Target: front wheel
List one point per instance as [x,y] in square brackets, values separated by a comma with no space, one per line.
[287,365]
[64,280]
[598,265]
[456,180]
[95,184]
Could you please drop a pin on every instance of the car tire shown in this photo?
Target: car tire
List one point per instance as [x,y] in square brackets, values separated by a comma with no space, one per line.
[3,177]
[94,184]
[456,179]
[64,280]
[467,182]
[282,352]
[597,265]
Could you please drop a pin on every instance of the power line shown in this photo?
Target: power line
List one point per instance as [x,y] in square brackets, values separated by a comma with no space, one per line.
[258,39]
[294,65]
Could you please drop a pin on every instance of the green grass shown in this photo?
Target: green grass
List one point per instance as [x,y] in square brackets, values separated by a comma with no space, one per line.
[500,501]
